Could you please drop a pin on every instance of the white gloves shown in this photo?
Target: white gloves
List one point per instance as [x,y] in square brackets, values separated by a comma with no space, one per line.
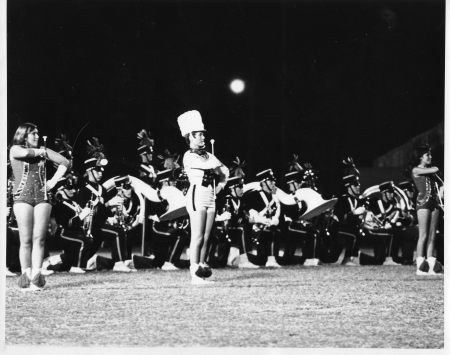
[59,173]
[359,210]
[84,212]
[115,201]
[223,217]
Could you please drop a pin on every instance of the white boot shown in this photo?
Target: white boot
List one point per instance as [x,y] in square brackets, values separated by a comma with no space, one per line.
[92,263]
[311,262]
[389,262]
[129,264]
[244,263]
[120,266]
[167,266]
[76,270]
[233,257]
[272,262]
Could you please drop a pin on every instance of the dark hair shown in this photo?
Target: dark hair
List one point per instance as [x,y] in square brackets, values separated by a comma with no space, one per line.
[22,132]
[420,151]
[186,136]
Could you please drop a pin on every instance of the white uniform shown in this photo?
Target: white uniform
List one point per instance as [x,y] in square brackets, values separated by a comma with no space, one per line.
[197,167]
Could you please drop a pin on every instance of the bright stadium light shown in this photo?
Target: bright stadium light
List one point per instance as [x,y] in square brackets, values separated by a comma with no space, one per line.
[237,86]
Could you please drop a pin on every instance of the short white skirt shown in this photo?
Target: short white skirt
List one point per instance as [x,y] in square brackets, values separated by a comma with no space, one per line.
[199,197]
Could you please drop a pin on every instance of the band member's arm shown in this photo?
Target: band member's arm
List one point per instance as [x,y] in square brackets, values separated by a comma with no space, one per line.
[417,171]
[275,220]
[141,187]
[141,215]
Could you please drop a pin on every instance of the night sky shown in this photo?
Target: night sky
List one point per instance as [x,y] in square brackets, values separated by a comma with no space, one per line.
[325,79]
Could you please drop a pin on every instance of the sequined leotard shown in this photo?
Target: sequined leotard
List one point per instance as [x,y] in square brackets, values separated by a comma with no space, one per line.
[29,178]
[427,196]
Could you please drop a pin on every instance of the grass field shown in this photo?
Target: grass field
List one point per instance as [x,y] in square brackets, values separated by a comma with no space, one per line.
[326,306]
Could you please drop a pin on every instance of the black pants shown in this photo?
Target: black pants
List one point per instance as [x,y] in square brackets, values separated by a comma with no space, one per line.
[12,249]
[380,242]
[221,242]
[77,248]
[347,237]
[169,243]
[266,242]
[299,236]
[406,238]
[115,240]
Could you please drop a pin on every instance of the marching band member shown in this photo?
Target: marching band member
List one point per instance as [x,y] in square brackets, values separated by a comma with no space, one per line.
[387,210]
[31,205]
[264,217]
[374,233]
[94,195]
[427,205]
[230,228]
[171,237]
[347,212]
[297,229]
[126,214]
[69,215]
[147,171]
[408,219]
[202,169]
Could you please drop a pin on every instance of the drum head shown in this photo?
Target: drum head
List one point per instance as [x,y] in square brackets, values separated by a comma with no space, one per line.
[173,214]
[318,210]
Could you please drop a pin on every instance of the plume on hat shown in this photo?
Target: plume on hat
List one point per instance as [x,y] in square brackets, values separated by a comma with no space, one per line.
[237,167]
[145,138]
[63,147]
[94,149]
[169,160]
[294,165]
[349,167]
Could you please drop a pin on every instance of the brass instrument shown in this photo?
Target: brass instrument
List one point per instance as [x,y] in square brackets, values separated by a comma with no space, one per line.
[371,221]
[225,224]
[226,208]
[123,220]
[268,212]
[87,222]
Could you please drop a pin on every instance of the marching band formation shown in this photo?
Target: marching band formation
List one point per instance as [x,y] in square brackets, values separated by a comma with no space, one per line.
[202,215]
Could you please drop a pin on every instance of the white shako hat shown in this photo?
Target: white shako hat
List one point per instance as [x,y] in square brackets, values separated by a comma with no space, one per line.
[190,121]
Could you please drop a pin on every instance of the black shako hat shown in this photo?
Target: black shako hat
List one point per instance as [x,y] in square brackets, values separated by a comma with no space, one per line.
[265,175]
[351,179]
[235,182]
[293,176]
[164,175]
[407,185]
[386,186]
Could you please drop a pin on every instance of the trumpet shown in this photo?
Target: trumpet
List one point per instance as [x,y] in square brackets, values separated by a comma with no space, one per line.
[87,222]
[123,220]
